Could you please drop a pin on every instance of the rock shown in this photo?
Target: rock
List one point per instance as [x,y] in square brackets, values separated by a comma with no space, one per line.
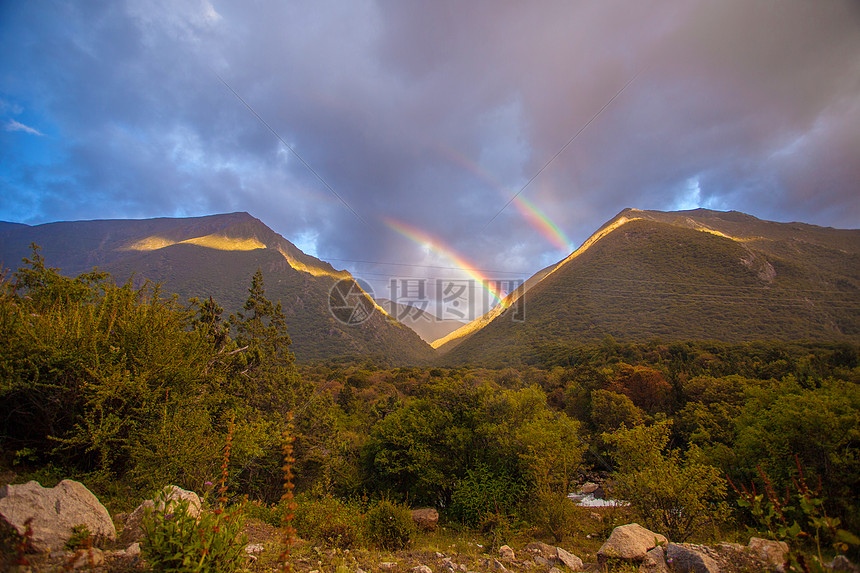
[555,570]
[426,518]
[655,561]
[542,549]
[630,542]
[507,553]
[132,531]
[133,550]
[588,487]
[421,569]
[254,548]
[387,565]
[541,561]
[842,563]
[771,553]
[171,494]
[88,558]
[684,559]
[54,511]
[497,566]
[573,562]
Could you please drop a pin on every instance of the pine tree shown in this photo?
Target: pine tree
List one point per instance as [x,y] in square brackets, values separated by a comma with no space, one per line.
[272,380]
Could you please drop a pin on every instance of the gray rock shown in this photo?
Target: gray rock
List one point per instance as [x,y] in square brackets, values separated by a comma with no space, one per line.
[54,512]
[85,558]
[573,562]
[842,563]
[170,495]
[771,553]
[655,561]
[421,569]
[542,549]
[387,565]
[588,487]
[684,559]
[426,518]
[629,542]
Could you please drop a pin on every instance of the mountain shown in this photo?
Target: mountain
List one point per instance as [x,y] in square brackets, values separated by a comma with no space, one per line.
[217,256]
[427,325]
[700,274]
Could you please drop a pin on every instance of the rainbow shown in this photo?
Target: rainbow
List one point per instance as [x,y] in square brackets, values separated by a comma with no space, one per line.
[535,217]
[436,246]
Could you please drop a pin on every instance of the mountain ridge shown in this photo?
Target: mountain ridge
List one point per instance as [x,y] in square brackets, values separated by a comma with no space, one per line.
[216,255]
[809,258]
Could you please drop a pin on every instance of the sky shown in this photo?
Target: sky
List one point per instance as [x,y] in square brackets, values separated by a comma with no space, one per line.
[405,139]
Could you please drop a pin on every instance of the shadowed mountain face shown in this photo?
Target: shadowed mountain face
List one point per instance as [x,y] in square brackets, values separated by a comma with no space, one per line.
[216,256]
[687,275]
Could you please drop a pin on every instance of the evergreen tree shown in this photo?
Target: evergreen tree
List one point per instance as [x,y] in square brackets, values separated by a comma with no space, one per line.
[268,364]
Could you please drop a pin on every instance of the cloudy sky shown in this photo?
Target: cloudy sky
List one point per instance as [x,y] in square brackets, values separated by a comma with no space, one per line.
[413,120]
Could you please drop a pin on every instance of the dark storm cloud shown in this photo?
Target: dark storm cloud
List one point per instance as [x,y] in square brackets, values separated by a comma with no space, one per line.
[735,105]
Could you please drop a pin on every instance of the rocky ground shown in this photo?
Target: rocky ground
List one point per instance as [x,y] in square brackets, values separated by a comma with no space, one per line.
[47,515]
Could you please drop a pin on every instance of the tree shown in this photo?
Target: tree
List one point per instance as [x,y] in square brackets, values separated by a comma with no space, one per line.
[610,411]
[675,493]
[267,365]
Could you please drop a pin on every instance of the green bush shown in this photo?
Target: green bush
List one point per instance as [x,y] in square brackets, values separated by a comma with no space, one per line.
[329,520]
[389,525]
[675,493]
[555,515]
[176,541]
[482,492]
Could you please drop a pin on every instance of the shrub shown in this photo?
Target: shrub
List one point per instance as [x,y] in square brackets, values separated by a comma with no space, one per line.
[176,541]
[328,520]
[389,525]
[482,492]
[675,494]
[554,514]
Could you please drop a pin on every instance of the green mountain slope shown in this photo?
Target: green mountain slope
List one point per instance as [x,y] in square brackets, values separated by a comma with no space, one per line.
[684,275]
[216,256]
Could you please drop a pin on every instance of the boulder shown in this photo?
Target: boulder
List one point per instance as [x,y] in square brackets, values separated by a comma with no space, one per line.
[771,553]
[685,559]
[629,542]
[170,495]
[573,562]
[54,512]
[506,553]
[655,561]
[588,487]
[426,518]
[543,550]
